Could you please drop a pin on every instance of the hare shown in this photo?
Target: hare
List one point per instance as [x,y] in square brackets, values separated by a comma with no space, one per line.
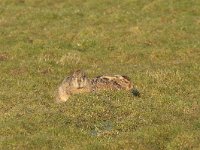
[78,82]
[74,84]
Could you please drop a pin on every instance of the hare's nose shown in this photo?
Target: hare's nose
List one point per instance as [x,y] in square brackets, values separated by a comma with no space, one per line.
[79,84]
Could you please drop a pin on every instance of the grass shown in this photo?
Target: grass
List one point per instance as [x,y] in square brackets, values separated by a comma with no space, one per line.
[154,42]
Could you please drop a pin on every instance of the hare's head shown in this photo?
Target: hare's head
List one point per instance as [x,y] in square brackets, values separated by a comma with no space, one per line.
[79,79]
[124,81]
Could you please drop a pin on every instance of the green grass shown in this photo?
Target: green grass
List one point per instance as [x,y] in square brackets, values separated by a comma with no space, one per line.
[154,42]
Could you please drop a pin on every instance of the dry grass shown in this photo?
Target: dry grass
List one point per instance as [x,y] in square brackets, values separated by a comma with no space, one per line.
[155,43]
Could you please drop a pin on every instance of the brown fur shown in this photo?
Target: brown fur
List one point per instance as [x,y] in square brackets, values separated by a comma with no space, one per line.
[79,83]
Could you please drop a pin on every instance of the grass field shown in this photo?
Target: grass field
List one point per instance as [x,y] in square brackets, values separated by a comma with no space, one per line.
[154,42]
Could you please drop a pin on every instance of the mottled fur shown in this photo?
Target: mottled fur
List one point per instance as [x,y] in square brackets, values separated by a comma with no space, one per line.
[74,84]
[116,82]
[79,83]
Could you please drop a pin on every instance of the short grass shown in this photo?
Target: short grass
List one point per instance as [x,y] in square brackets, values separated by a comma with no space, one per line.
[154,42]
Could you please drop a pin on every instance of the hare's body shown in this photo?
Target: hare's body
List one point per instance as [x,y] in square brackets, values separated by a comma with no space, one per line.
[116,82]
[79,83]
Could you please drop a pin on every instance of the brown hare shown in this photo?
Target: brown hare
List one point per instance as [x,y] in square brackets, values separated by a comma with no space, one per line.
[78,82]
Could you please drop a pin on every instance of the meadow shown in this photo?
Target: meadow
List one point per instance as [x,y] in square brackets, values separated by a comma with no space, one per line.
[154,42]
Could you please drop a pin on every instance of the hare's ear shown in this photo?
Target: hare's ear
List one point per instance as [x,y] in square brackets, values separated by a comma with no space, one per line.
[84,74]
[126,77]
[73,73]
[78,71]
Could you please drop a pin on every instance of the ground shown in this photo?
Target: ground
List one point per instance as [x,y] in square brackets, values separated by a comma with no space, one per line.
[154,42]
